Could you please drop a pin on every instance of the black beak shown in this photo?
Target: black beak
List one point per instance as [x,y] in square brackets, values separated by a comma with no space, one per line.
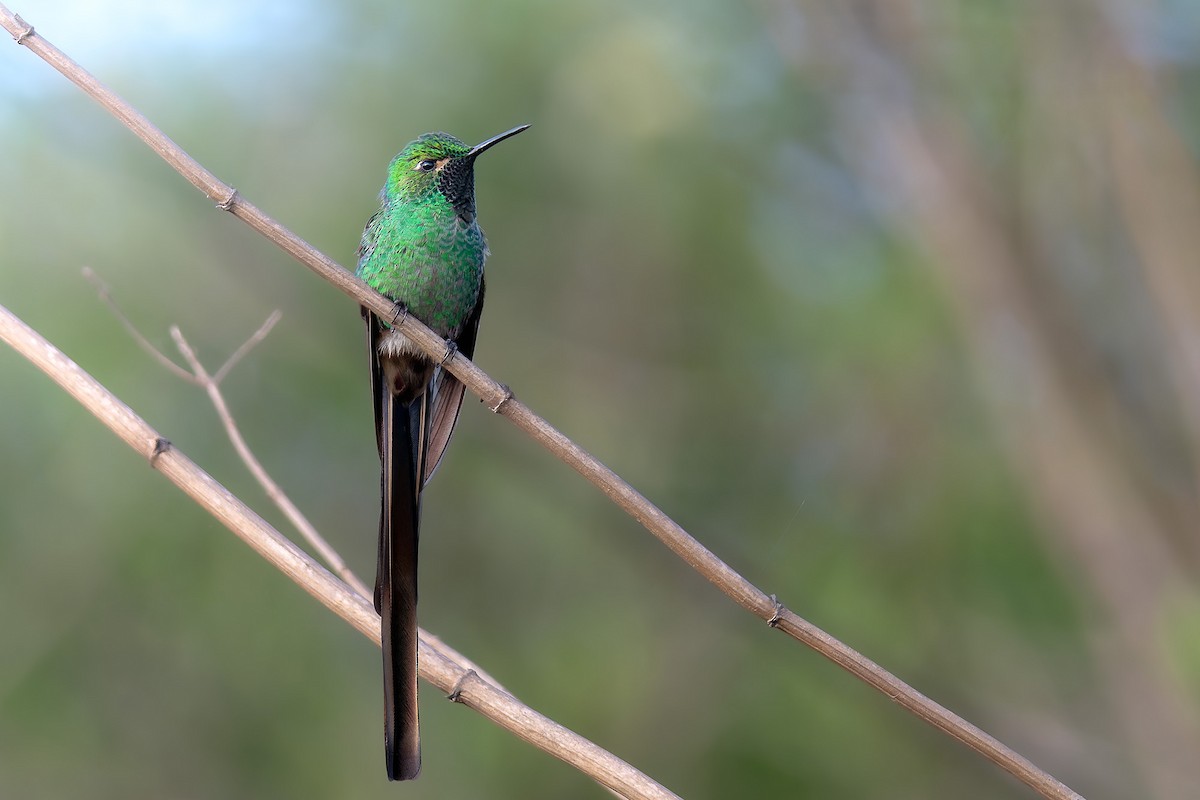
[479,148]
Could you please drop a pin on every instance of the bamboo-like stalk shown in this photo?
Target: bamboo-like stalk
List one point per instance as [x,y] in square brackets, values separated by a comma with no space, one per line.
[462,684]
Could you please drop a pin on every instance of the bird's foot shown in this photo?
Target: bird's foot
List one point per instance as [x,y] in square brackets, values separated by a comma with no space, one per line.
[399,313]
[451,349]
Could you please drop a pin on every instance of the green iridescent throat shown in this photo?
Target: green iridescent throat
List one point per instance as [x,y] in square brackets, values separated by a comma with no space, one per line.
[423,248]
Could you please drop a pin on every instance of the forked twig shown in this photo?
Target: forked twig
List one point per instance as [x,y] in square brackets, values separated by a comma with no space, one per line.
[246,347]
[198,375]
[211,385]
[102,290]
[499,398]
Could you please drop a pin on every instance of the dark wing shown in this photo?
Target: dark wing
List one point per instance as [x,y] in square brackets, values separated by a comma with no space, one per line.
[448,393]
[370,234]
[374,329]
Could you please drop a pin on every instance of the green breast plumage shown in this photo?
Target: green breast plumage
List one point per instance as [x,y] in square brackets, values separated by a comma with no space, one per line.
[419,252]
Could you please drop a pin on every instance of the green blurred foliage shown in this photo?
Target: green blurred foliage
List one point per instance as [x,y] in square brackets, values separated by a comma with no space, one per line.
[690,277]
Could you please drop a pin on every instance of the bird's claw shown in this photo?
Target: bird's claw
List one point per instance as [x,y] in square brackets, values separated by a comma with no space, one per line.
[400,314]
[451,349]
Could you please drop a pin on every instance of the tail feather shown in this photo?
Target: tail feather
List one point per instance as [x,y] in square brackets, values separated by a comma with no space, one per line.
[402,440]
[416,407]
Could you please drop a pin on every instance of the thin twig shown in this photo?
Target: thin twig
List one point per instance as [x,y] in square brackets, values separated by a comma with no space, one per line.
[199,376]
[467,687]
[211,384]
[499,398]
[162,358]
[246,347]
[327,553]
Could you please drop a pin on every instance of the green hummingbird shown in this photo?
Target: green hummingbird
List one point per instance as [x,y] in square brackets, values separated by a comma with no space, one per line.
[424,250]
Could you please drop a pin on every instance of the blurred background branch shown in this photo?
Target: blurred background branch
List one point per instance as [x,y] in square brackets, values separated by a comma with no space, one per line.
[1054,386]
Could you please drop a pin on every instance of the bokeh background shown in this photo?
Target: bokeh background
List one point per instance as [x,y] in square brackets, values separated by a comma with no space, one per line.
[895,305]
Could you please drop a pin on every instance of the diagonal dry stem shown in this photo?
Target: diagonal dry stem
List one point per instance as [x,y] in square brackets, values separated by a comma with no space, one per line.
[461,683]
[211,385]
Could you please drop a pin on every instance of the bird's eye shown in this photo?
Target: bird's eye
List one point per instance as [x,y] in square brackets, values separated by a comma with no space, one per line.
[426,164]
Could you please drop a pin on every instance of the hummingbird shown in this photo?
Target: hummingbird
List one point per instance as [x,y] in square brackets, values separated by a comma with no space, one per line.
[424,250]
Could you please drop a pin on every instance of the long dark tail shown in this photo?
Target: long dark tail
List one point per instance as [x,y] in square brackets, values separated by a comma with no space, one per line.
[401,431]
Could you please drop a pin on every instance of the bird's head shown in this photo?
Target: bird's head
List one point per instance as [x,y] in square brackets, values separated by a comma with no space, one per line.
[439,162]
